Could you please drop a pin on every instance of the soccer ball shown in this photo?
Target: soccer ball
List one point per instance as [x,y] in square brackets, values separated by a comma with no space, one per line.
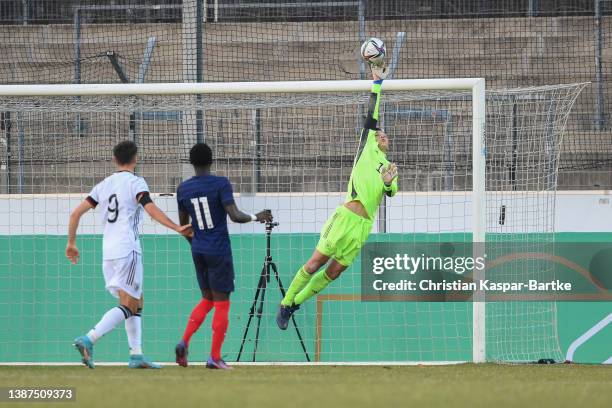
[373,51]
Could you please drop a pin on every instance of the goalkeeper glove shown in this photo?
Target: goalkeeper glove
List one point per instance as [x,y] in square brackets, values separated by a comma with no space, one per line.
[388,174]
[379,71]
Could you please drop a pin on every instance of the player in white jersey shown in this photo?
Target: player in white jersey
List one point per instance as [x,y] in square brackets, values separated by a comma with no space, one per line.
[121,198]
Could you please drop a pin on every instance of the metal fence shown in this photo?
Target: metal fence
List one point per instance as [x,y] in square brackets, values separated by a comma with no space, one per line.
[62,11]
[511,43]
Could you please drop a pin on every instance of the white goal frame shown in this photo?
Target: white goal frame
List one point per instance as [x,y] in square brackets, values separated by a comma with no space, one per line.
[475,85]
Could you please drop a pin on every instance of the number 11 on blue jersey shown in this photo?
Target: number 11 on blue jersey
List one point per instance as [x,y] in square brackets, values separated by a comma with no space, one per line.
[202,212]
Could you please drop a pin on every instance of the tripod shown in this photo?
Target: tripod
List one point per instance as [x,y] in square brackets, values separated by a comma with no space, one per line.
[260,294]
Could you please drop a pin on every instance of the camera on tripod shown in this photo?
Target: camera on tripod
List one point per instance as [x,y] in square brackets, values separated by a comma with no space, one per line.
[270,225]
[256,311]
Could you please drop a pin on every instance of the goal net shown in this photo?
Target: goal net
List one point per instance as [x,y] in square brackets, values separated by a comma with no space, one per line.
[288,147]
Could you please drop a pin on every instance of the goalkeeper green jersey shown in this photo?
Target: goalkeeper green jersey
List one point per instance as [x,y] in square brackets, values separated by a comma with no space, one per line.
[366,184]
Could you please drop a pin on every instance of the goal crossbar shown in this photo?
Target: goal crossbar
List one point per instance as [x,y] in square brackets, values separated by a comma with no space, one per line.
[237,87]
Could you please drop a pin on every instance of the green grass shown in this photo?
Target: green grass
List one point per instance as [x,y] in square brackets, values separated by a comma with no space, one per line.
[327,386]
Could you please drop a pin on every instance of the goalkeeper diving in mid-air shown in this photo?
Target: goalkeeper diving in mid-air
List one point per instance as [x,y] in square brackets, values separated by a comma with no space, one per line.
[345,232]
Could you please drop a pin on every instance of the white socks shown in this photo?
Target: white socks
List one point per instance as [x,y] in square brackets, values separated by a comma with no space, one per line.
[133,328]
[108,322]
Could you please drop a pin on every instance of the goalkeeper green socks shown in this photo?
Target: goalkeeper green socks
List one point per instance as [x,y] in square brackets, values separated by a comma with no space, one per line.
[316,285]
[300,280]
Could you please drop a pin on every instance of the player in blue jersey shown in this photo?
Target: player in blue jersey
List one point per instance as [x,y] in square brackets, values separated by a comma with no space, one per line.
[207,200]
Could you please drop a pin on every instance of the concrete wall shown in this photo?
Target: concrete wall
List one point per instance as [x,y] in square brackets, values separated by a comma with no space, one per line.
[575,211]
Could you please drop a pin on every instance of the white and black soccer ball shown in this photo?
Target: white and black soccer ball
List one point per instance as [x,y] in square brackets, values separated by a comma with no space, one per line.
[373,51]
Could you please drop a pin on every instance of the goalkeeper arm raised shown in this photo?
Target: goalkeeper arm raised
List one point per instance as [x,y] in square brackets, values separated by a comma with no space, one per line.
[372,135]
[370,125]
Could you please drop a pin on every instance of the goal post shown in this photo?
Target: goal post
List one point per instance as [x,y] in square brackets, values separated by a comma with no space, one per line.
[288,146]
[479,214]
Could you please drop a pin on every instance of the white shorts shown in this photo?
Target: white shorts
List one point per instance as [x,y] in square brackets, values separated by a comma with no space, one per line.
[124,274]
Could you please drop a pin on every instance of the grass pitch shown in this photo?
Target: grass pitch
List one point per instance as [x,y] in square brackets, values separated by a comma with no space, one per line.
[464,385]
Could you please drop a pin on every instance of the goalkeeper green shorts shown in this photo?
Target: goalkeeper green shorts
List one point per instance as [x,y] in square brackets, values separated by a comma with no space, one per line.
[343,235]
